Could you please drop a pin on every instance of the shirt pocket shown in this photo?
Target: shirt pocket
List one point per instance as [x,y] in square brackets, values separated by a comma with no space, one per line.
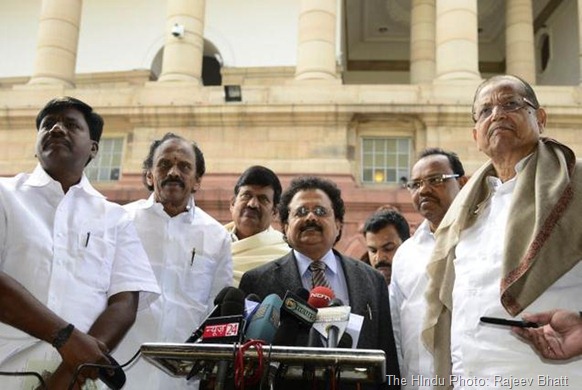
[199,275]
[94,260]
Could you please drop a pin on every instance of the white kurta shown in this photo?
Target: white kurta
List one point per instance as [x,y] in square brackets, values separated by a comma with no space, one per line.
[72,252]
[408,305]
[489,356]
[190,255]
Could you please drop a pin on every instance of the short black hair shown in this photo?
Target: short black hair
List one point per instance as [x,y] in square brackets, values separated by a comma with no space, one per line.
[380,219]
[312,183]
[454,160]
[528,92]
[258,175]
[149,160]
[94,120]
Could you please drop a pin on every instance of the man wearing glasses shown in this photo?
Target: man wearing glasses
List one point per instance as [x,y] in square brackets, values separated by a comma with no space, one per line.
[312,213]
[436,179]
[509,244]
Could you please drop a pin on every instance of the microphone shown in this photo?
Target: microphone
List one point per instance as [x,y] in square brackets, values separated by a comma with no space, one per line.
[265,321]
[332,322]
[220,297]
[297,316]
[320,296]
[227,328]
[252,303]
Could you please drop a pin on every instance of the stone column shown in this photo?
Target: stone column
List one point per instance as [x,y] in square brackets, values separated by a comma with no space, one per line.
[519,40]
[316,43]
[183,53]
[457,51]
[58,38]
[422,41]
[580,40]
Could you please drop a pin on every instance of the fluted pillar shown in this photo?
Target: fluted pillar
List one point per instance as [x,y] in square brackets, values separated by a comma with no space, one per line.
[519,39]
[317,37]
[422,41]
[183,54]
[58,38]
[457,51]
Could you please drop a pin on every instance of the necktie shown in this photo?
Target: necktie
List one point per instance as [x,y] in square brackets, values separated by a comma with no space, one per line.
[317,269]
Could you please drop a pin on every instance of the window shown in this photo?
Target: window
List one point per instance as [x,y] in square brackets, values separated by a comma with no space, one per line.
[107,165]
[385,160]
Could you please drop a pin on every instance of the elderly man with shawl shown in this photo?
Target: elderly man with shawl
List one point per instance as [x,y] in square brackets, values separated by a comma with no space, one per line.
[510,243]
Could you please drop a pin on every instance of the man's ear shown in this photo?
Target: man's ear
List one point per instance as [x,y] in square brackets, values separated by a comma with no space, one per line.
[232,203]
[462,180]
[94,149]
[541,116]
[149,178]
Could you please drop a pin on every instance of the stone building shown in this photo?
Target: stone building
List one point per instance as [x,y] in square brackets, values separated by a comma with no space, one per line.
[348,89]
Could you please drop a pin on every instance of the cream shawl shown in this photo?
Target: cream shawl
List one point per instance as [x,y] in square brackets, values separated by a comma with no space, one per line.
[544,239]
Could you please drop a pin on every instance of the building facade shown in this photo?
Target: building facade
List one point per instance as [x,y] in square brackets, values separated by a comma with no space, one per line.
[347,89]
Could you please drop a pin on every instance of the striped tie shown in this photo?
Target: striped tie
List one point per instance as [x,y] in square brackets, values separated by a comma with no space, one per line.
[317,269]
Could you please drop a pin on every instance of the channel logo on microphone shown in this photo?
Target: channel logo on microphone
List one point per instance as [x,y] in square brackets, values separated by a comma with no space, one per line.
[301,309]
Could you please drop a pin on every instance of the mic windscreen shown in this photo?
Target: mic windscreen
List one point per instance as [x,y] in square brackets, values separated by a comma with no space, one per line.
[335,302]
[320,296]
[265,322]
[253,298]
[222,293]
[233,303]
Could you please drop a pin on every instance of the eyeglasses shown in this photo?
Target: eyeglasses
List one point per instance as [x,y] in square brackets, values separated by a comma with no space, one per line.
[303,211]
[509,106]
[432,181]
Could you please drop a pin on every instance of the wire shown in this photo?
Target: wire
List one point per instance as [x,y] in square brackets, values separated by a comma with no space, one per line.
[239,367]
[26,373]
[81,367]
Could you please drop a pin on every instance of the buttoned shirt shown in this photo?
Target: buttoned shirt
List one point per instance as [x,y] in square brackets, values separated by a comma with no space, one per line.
[72,251]
[484,355]
[408,305]
[190,255]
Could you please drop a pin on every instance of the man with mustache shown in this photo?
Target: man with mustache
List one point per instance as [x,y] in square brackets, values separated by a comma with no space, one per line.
[435,180]
[384,232]
[253,207]
[510,243]
[75,252]
[189,252]
[312,214]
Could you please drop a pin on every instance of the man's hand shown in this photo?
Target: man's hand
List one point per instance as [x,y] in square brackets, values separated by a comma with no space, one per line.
[82,348]
[560,337]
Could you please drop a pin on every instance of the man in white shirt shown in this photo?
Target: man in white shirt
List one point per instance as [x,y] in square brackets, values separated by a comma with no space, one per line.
[436,179]
[254,205]
[510,243]
[74,251]
[189,252]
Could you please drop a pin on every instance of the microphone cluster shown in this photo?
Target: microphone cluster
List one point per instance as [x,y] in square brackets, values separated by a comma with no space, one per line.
[302,318]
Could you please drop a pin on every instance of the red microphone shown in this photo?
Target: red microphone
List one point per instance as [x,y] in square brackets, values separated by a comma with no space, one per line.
[320,297]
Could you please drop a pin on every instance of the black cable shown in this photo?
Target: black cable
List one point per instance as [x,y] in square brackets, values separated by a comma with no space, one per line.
[26,373]
[81,367]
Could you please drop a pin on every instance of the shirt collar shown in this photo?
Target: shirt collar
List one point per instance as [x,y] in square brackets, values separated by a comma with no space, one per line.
[150,203]
[40,178]
[303,261]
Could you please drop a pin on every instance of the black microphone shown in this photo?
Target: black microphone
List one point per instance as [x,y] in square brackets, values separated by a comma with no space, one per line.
[297,316]
[213,313]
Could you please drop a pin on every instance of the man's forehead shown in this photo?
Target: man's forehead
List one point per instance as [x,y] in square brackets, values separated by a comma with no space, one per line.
[430,163]
[499,88]
[174,145]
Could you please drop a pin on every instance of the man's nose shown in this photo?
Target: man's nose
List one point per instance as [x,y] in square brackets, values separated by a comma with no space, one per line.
[174,171]
[253,202]
[58,128]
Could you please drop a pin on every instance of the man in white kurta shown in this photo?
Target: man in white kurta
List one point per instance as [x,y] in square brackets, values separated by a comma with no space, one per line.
[72,249]
[253,208]
[189,252]
[436,179]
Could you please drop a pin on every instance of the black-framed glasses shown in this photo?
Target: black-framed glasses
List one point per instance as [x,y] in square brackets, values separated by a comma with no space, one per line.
[303,211]
[432,181]
[512,105]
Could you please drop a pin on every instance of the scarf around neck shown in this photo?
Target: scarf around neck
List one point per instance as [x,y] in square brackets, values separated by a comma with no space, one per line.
[543,242]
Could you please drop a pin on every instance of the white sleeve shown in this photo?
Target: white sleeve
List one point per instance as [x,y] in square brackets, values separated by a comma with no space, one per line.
[396,299]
